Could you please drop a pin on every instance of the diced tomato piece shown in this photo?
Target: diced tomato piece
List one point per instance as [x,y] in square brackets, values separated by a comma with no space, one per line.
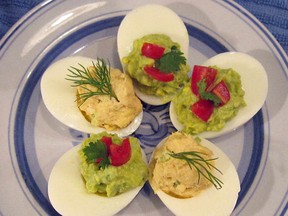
[203,109]
[202,72]
[98,160]
[120,154]
[158,75]
[152,50]
[107,140]
[222,92]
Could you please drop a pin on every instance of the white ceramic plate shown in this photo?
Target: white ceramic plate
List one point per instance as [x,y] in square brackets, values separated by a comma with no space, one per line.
[32,140]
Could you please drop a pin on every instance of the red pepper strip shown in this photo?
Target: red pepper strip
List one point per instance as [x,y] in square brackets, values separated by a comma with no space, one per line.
[222,92]
[203,109]
[152,51]
[158,75]
[202,72]
[120,155]
[98,160]
[107,140]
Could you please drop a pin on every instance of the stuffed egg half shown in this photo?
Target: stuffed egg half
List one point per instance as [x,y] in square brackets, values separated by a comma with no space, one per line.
[152,19]
[193,197]
[254,83]
[68,193]
[59,96]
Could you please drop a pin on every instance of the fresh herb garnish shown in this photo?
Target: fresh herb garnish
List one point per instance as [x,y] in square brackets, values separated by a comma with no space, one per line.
[203,166]
[98,77]
[206,94]
[97,152]
[170,61]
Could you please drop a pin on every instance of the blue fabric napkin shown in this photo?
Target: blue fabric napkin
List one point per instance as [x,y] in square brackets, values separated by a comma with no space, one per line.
[12,10]
[272,13]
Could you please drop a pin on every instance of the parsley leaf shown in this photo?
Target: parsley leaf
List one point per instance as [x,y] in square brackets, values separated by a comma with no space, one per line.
[170,61]
[97,151]
[207,95]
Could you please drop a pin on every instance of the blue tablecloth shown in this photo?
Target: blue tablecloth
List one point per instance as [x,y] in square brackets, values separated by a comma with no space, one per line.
[272,13]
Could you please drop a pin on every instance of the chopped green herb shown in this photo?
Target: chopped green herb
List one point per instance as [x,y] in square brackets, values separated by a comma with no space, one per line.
[176,183]
[97,152]
[197,140]
[170,61]
[207,95]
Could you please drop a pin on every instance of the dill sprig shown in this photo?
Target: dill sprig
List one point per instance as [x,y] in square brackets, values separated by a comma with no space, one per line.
[194,159]
[99,77]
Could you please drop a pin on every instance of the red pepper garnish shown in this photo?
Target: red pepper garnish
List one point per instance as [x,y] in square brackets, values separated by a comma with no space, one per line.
[152,50]
[158,75]
[107,140]
[205,77]
[203,109]
[222,92]
[200,73]
[98,160]
[120,154]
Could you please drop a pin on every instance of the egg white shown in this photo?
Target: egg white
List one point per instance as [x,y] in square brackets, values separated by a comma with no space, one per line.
[149,99]
[151,19]
[210,201]
[59,97]
[254,83]
[68,195]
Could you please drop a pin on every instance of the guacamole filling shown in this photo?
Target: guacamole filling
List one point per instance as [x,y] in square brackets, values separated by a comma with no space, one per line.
[185,98]
[135,62]
[113,180]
